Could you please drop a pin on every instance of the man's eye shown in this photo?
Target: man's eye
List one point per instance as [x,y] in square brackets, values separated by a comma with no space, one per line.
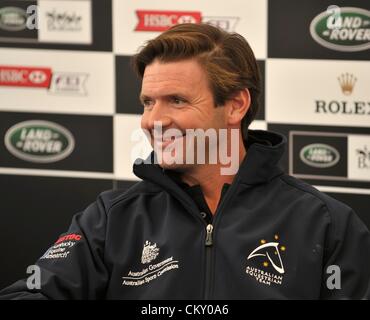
[147,103]
[178,100]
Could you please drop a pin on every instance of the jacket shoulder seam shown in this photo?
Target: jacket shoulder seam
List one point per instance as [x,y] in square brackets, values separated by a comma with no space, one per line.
[331,227]
[310,192]
[127,196]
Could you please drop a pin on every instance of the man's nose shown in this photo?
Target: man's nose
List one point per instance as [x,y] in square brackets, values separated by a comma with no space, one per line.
[157,115]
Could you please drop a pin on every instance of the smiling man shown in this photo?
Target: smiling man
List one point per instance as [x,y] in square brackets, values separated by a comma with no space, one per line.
[191,230]
[177,95]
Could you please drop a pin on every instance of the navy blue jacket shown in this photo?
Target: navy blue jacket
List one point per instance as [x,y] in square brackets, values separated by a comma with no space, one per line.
[272,237]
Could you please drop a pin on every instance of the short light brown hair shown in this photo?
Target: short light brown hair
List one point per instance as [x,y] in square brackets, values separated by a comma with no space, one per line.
[226,57]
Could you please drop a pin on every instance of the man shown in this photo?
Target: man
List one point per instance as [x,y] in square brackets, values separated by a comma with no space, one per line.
[191,230]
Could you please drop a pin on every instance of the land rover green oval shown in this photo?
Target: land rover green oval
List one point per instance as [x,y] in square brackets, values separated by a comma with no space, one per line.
[39,141]
[319,155]
[13,19]
[347,30]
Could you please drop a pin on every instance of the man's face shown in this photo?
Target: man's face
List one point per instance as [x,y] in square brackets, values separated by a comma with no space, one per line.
[177,94]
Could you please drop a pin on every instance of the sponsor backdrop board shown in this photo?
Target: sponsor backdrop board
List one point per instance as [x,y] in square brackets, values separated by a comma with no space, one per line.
[57,81]
[318,29]
[56,142]
[56,24]
[70,114]
[136,21]
[327,155]
[327,92]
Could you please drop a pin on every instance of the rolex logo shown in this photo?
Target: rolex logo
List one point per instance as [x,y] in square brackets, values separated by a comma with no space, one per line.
[347,82]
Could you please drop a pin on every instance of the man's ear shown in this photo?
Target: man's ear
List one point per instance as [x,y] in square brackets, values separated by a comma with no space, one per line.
[238,107]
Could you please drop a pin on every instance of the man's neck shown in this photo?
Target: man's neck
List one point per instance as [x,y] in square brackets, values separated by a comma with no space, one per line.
[210,179]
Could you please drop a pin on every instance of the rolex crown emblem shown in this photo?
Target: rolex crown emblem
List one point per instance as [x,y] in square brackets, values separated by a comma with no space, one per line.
[347,82]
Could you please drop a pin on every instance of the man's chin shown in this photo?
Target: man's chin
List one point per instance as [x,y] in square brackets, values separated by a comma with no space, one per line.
[175,166]
[171,161]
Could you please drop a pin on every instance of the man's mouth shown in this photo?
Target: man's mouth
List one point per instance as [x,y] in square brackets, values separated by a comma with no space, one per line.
[164,141]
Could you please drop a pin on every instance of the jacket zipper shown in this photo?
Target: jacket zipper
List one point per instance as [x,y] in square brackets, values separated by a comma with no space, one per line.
[209,240]
[209,243]
[210,229]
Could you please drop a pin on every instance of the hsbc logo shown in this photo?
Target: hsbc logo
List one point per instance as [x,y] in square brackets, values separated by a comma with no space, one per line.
[153,20]
[71,83]
[15,76]
[38,76]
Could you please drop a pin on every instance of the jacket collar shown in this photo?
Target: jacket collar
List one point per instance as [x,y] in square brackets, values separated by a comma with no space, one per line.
[264,151]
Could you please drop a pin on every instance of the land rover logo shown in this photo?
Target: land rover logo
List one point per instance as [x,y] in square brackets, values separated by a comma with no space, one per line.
[39,141]
[319,155]
[348,30]
[13,19]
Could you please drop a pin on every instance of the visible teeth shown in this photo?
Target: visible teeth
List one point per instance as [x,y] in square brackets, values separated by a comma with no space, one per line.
[172,138]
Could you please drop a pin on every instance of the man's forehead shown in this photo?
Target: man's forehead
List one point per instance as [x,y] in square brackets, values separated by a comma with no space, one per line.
[164,86]
[168,78]
[178,71]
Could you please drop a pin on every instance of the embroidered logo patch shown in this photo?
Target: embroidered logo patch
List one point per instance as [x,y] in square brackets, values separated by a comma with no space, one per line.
[268,267]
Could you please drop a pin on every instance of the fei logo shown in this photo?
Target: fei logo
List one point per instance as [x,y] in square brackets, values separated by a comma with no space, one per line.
[268,254]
